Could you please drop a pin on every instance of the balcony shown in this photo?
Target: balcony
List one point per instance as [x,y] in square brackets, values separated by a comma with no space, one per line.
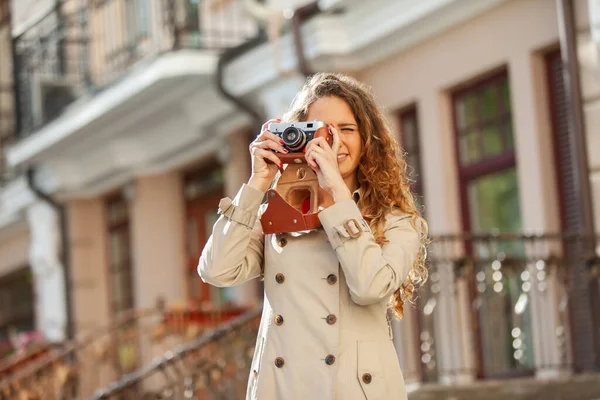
[7,106]
[81,69]
[496,307]
[77,369]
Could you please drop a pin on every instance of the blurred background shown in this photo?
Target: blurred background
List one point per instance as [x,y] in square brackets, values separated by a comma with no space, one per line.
[124,122]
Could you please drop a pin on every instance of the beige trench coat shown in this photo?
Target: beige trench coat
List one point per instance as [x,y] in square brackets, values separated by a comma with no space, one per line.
[324,332]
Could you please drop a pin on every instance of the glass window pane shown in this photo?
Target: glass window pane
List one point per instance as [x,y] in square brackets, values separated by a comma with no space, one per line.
[488,103]
[408,134]
[494,203]
[413,166]
[492,141]
[508,135]
[466,111]
[505,95]
[469,148]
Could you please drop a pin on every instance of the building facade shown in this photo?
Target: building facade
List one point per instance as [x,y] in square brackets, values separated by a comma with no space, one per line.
[121,146]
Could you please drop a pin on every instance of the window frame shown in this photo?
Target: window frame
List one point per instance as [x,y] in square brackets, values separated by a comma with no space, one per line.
[123,225]
[411,111]
[485,166]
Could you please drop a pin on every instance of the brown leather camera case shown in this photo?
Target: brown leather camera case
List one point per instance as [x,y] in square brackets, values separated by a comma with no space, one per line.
[283,213]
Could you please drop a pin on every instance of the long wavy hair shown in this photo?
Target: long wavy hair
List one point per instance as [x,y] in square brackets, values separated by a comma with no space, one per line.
[382,173]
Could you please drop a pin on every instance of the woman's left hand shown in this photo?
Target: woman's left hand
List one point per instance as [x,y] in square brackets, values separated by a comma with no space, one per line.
[322,158]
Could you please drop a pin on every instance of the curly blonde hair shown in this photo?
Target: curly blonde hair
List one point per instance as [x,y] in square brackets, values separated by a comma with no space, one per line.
[382,173]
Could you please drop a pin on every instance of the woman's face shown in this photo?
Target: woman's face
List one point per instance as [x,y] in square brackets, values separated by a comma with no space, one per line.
[333,110]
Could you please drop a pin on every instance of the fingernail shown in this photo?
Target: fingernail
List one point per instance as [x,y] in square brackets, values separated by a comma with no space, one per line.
[281,142]
[304,150]
[286,151]
[280,165]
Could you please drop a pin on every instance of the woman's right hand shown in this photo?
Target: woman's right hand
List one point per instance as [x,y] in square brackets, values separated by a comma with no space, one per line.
[265,162]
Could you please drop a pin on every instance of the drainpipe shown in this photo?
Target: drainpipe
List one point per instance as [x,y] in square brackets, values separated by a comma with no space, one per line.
[64,250]
[300,15]
[226,57]
[585,329]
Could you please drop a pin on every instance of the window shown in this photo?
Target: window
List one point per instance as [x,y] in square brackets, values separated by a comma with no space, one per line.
[409,141]
[17,306]
[485,153]
[203,189]
[489,192]
[120,270]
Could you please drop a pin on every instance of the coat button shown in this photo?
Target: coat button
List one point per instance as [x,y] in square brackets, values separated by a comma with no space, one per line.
[331,279]
[367,378]
[330,359]
[331,319]
[282,242]
[279,278]
[279,362]
[279,320]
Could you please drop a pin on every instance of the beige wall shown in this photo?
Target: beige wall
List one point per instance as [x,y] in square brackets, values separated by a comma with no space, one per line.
[158,240]
[512,36]
[509,36]
[87,240]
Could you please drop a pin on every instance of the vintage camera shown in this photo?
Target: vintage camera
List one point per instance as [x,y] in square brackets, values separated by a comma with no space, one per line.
[296,135]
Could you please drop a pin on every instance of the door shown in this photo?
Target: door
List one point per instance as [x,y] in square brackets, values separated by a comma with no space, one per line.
[203,192]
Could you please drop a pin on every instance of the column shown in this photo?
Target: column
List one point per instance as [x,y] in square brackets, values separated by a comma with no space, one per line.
[89,266]
[48,271]
[237,168]
[451,307]
[539,205]
[158,240]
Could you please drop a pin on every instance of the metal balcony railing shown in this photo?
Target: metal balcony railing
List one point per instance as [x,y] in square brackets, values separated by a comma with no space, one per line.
[7,103]
[214,366]
[75,51]
[75,370]
[504,287]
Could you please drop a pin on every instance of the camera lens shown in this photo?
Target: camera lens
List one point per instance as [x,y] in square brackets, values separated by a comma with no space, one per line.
[293,138]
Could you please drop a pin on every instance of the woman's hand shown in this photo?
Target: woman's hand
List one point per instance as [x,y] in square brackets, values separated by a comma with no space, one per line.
[322,159]
[265,162]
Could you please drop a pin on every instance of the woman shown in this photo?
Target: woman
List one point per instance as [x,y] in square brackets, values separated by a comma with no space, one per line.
[325,330]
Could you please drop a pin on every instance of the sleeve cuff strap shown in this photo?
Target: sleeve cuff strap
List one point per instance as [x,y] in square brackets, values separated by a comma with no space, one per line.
[244,208]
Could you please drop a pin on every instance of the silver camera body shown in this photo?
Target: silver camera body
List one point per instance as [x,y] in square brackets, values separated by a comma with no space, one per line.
[296,135]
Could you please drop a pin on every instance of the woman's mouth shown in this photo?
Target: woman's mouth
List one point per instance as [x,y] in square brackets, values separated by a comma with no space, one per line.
[342,156]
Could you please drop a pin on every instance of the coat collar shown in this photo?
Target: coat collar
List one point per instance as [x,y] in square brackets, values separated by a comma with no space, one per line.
[357,194]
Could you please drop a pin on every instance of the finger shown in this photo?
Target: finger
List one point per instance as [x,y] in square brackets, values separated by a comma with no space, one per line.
[311,161]
[265,126]
[267,155]
[335,146]
[267,135]
[269,144]
[320,142]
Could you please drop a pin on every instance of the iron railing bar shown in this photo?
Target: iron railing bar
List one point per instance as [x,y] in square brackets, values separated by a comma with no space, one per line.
[182,350]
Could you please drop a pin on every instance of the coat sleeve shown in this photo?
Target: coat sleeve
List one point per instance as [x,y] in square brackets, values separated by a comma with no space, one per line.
[372,272]
[234,252]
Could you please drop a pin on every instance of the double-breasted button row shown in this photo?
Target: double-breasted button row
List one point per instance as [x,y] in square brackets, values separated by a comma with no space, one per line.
[280,278]
[330,359]
[367,378]
[331,319]
[278,320]
[331,279]
[279,362]
[282,242]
